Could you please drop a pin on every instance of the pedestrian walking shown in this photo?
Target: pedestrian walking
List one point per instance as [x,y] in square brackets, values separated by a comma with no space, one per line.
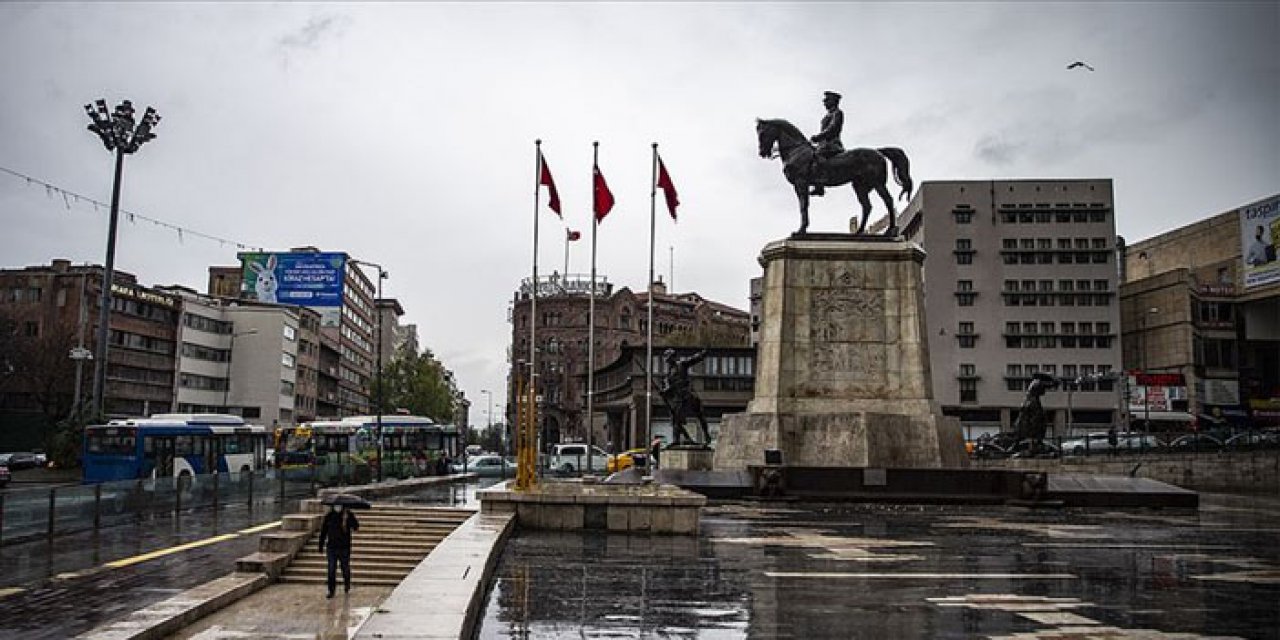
[336,529]
[1112,439]
[655,450]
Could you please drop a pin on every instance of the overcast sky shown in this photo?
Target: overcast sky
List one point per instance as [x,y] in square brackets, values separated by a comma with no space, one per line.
[403,133]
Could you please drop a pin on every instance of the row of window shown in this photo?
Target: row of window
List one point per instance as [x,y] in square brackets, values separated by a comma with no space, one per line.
[117,338]
[201,352]
[963,214]
[139,374]
[207,325]
[201,383]
[23,294]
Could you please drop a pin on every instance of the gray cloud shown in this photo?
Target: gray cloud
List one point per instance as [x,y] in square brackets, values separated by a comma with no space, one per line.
[317,28]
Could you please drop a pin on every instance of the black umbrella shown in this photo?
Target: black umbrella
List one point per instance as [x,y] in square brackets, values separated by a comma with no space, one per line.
[347,500]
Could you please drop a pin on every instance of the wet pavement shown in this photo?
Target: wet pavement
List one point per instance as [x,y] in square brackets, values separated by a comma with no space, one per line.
[289,611]
[785,570]
[70,585]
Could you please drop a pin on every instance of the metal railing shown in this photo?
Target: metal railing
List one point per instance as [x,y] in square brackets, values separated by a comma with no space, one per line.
[1127,444]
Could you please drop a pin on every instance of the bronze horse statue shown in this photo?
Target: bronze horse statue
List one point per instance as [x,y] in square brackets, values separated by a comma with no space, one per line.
[864,168]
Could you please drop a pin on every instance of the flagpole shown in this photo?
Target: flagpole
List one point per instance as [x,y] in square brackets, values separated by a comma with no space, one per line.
[565,273]
[591,304]
[648,350]
[533,295]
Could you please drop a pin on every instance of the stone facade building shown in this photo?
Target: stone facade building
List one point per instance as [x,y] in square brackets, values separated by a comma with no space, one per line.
[1021,277]
[723,381]
[621,322]
[1196,338]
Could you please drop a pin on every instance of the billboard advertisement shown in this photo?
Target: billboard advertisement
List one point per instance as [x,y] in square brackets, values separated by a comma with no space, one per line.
[1259,237]
[312,280]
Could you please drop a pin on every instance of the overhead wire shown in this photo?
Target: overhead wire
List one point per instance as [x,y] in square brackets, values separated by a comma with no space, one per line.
[68,196]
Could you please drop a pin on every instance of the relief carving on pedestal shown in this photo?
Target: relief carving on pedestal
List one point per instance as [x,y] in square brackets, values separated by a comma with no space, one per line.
[832,312]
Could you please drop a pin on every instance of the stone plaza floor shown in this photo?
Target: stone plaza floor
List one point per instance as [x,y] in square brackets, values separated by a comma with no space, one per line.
[789,570]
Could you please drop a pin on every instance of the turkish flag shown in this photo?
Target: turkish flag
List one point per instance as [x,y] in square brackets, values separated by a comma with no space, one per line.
[668,188]
[572,235]
[603,200]
[553,200]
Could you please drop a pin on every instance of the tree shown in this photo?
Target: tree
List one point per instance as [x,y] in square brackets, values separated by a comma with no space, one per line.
[418,383]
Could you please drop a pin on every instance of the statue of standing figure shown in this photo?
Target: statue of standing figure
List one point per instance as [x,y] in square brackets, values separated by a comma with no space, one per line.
[677,393]
[1032,420]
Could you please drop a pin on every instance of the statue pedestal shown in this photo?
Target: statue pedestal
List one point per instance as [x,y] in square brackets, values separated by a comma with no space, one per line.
[691,459]
[842,370]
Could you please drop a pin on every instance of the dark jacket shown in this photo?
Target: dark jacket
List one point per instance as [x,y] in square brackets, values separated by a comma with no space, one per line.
[334,531]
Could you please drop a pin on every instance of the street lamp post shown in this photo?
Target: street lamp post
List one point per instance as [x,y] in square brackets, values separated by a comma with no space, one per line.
[226,390]
[382,275]
[119,133]
[489,430]
[1142,370]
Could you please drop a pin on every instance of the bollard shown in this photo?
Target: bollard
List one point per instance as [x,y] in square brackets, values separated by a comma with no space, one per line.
[52,501]
[215,489]
[1,518]
[177,495]
[251,474]
[97,506]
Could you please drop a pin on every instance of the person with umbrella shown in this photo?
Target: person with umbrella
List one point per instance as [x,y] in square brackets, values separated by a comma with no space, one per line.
[337,528]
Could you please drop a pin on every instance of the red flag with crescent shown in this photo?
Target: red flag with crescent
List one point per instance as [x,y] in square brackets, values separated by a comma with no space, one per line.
[553,196]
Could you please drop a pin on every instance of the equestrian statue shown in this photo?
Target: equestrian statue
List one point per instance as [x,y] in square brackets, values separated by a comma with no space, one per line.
[812,164]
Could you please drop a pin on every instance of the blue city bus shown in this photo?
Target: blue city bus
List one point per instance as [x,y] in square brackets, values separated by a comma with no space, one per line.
[346,449]
[172,445]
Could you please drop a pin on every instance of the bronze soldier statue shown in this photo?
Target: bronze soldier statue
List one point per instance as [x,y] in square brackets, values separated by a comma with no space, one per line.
[828,138]
[677,392]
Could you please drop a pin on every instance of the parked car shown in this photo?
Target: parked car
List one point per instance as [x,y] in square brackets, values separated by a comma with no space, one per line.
[1195,442]
[5,476]
[1092,443]
[626,460]
[569,458]
[487,466]
[22,460]
[1252,440]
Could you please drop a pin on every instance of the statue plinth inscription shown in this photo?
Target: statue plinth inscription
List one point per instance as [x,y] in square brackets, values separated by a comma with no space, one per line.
[842,372]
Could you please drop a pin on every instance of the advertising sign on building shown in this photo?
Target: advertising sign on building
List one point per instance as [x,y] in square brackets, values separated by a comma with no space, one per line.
[1259,237]
[1221,392]
[312,280]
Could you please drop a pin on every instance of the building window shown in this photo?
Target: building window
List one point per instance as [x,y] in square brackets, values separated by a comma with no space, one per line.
[966,336]
[287,360]
[286,388]
[964,251]
[31,329]
[968,390]
[290,333]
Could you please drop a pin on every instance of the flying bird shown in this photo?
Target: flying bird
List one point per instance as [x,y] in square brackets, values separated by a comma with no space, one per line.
[1077,64]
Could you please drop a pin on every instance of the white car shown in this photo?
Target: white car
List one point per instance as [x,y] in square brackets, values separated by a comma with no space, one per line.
[572,458]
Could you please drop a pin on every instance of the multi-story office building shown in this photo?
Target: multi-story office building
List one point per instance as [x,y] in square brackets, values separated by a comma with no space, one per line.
[1201,319]
[239,357]
[387,330]
[1021,277]
[332,285]
[53,309]
[621,321]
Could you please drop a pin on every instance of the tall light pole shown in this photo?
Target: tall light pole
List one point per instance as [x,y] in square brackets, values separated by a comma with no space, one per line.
[382,275]
[488,429]
[1142,370]
[226,390]
[121,134]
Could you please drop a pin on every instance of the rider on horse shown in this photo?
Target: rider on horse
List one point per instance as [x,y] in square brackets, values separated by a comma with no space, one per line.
[828,139]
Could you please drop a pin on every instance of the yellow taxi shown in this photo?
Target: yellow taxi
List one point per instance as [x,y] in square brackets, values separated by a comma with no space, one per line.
[626,460]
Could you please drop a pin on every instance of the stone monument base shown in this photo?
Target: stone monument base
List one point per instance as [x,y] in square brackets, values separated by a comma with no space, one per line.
[690,459]
[848,439]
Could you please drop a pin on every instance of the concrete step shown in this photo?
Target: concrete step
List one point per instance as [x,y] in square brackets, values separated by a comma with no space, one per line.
[320,564]
[358,573]
[318,580]
[374,555]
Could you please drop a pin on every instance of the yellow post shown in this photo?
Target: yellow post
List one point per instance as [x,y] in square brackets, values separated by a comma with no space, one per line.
[526,454]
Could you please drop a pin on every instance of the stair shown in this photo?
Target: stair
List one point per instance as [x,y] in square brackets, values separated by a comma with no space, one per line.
[391,541]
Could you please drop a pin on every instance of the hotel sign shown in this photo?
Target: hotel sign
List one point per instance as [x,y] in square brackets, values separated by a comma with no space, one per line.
[142,295]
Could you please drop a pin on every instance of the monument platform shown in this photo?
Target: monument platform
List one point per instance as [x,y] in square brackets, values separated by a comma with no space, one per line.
[842,371]
[931,486]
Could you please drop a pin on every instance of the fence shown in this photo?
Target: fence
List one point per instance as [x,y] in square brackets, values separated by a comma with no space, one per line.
[47,512]
[1126,443]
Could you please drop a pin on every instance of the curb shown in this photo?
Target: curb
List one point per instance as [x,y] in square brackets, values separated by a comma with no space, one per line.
[168,616]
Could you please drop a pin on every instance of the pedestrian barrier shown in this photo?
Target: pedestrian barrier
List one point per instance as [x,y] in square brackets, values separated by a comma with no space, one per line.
[27,514]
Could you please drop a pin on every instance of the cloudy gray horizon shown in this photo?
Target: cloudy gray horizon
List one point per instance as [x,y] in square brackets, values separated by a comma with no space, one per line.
[403,133]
